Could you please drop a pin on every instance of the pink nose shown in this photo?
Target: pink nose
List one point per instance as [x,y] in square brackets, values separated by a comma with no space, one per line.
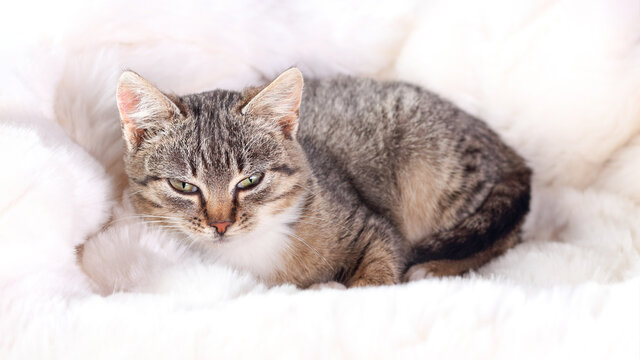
[221,226]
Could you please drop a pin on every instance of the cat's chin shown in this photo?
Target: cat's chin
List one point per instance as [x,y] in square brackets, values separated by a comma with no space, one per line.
[215,241]
[205,242]
[221,241]
[259,252]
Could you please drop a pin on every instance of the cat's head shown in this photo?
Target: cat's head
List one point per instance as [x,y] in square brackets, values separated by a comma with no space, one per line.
[217,165]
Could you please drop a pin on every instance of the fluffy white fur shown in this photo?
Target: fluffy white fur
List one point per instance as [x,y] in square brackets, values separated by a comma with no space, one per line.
[559,80]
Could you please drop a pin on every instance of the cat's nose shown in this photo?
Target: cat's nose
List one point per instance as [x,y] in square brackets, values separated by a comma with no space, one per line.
[221,226]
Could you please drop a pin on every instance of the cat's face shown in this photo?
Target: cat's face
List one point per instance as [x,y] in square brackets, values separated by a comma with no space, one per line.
[215,166]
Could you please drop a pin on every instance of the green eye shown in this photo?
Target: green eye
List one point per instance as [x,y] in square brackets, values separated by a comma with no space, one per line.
[250,182]
[183,186]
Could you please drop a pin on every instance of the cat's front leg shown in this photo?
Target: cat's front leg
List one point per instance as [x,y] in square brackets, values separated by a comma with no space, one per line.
[380,261]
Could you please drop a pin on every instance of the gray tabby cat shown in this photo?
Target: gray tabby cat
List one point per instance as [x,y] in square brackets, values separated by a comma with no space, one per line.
[352,180]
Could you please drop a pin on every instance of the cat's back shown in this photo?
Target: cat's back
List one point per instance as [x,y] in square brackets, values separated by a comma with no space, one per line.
[397,142]
[364,119]
[345,107]
[348,122]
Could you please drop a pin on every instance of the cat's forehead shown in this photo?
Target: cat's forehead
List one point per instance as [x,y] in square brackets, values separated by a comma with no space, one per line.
[216,137]
[214,117]
[216,104]
[214,120]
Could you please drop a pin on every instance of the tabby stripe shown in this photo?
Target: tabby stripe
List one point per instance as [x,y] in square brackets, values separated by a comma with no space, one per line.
[293,191]
[359,234]
[203,203]
[192,165]
[240,162]
[285,169]
[361,257]
[180,202]
[259,195]
[227,160]
[204,161]
[234,206]
[154,204]
[306,207]
[146,180]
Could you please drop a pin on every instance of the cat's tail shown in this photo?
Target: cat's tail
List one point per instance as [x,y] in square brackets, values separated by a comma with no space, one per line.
[498,218]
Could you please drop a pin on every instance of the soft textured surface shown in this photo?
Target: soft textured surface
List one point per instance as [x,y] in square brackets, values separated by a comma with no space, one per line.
[559,80]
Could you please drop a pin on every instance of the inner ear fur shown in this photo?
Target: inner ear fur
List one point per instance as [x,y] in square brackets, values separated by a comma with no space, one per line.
[142,107]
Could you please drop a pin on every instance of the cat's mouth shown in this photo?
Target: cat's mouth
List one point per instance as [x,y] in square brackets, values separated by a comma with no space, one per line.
[221,239]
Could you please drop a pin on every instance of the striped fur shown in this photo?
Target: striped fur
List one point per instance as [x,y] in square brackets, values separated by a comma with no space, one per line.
[363,180]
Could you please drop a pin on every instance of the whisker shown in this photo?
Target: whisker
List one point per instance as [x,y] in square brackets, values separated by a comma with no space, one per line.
[192,242]
[178,228]
[171,221]
[134,193]
[144,217]
[157,216]
[313,249]
[323,223]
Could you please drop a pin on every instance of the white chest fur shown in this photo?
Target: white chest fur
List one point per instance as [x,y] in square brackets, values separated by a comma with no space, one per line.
[261,251]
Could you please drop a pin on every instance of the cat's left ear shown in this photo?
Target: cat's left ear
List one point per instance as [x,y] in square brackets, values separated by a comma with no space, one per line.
[279,102]
[142,107]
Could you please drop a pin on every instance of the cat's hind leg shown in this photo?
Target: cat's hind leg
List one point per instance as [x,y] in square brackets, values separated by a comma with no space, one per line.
[488,232]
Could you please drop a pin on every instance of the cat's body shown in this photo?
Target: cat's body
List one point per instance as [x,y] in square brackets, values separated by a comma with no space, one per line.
[373,178]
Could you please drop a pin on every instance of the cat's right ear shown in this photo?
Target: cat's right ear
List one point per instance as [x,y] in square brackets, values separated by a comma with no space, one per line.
[142,107]
[279,102]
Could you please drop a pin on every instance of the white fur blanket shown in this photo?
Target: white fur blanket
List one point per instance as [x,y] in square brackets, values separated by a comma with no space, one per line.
[559,80]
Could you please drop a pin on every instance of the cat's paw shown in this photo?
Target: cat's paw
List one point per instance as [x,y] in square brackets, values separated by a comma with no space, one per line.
[327,285]
[431,269]
[416,272]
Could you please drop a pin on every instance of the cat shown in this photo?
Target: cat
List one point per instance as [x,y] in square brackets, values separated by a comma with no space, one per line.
[346,180]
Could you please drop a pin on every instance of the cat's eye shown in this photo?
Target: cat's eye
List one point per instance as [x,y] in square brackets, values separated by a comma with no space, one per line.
[182,186]
[250,182]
